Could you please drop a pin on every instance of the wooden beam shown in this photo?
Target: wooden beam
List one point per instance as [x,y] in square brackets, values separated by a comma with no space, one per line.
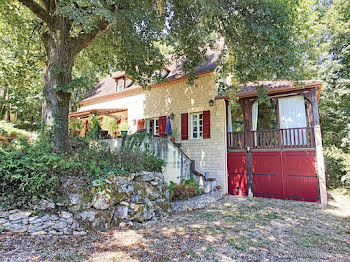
[247,107]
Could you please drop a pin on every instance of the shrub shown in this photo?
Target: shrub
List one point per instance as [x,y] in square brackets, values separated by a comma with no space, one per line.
[185,190]
[29,172]
[337,167]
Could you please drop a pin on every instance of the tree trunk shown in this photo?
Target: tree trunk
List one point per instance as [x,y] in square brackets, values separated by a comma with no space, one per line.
[58,74]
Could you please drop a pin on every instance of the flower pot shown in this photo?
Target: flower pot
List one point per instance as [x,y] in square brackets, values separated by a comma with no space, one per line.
[218,187]
[124,133]
[172,139]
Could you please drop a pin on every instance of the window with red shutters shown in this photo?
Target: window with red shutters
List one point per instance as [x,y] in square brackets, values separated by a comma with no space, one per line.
[206,124]
[140,124]
[184,126]
[162,125]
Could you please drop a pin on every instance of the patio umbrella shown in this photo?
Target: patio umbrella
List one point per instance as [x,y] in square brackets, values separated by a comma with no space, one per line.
[168,130]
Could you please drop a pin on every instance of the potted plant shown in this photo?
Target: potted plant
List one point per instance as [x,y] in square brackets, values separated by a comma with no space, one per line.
[123,127]
[172,137]
[109,124]
[75,125]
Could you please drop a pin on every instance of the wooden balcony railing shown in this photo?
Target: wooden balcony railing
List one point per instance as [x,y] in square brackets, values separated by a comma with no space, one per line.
[235,140]
[302,137]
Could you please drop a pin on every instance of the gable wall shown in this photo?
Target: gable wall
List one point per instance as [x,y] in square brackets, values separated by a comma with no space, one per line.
[178,97]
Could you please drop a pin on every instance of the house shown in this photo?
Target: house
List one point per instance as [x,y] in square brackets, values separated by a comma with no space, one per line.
[250,149]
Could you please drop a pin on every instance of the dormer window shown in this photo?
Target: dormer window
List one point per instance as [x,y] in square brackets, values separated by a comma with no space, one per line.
[159,74]
[120,84]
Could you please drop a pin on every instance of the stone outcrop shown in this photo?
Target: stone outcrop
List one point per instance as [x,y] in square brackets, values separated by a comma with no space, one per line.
[198,202]
[119,200]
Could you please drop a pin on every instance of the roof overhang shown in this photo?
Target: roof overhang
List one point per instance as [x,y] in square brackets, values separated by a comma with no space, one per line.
[282,90]
[95,112]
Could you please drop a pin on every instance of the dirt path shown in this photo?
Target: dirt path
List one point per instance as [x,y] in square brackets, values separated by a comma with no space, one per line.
[234,229]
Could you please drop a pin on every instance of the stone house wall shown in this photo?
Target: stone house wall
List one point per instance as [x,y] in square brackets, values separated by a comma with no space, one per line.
[177,97]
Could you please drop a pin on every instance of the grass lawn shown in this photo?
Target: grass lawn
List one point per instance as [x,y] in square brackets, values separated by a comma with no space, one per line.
[234,229]
[9,130]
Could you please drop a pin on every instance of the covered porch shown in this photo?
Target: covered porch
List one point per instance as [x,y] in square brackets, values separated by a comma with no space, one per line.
[274,149]
[111,121]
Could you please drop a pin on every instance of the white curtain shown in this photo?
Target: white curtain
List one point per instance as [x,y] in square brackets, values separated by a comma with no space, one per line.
[255,111]
[292,115]
[229,124]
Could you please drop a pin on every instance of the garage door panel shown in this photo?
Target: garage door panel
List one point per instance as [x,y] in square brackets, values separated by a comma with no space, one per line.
[237,173]
[238,184]
[267,174]
[299,176]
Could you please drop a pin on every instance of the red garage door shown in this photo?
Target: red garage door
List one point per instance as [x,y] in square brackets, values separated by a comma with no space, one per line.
[283,175]
[237,172]
[299,176]
[267,175]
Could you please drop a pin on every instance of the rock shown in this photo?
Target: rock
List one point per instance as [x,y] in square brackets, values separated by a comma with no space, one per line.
[25,221]
[39,233]
[67,230]
[60,225]
[123,203]
[75,199]
[3,221]
[32,218]
[46,204]
[65,214]
[100,201]
[122,211]
[122,225]
[167,194]
[54,218]
[96,219]
[154,183]
[18,228]
[35,221]
[135,198]
[69,221]
[79,233]
[4,214]
[144,176]
[19,215]
[75,225]
[45,218]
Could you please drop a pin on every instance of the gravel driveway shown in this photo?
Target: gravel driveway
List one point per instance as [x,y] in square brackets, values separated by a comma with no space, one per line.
[234,229]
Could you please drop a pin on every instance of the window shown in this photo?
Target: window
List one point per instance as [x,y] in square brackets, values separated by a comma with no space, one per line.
[267,115]
[120,84]
[153,126]
[197,126]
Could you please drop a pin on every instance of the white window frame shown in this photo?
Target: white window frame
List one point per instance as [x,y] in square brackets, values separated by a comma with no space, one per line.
[120,88]
[155,125]
[197,125]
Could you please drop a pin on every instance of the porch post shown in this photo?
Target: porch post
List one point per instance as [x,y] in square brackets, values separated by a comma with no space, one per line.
[319,150]
[247,105]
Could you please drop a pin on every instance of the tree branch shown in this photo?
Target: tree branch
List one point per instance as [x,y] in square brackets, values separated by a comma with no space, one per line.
[36,9]
[83,40]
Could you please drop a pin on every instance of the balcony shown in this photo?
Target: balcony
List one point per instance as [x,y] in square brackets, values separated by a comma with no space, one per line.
[302,137]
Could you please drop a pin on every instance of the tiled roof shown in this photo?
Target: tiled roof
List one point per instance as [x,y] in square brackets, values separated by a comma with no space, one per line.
[107,86]
[271,86]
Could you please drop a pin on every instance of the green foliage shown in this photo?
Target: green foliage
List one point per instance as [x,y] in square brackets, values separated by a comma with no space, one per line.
[109,124]
[185,190]
[10,130]
[75,124]
[337,167]
[139,140]
[29,172]
[93,128]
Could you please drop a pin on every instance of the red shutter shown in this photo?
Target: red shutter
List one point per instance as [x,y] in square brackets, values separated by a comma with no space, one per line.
[140,124]
[119,121]
[206,124]
[162,125]
[184,126]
